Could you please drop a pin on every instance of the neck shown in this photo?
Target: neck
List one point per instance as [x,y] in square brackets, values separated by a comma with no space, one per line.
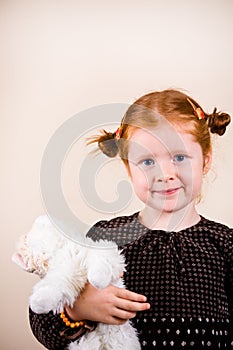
[169,221]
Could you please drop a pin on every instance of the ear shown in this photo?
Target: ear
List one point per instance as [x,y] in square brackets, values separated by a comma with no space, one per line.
[17,259]
[127,167]
[207,163]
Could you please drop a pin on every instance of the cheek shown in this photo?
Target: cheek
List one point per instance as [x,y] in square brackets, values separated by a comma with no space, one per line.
[191,176]
[139,179]
[186,175]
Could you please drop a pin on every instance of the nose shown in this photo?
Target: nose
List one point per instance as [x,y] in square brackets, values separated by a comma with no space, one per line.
[167,172]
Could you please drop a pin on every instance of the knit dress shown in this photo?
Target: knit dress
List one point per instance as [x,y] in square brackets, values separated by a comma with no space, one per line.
[187,277]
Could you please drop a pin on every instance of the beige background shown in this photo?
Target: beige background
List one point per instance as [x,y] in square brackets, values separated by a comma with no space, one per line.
[61,57]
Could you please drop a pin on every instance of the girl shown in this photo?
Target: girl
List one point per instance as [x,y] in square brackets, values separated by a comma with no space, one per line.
[179,275]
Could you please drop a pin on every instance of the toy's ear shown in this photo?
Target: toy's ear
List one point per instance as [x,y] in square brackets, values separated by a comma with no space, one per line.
[18,260]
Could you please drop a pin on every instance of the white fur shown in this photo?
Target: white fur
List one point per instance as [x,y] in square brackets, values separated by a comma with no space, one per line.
[64,267]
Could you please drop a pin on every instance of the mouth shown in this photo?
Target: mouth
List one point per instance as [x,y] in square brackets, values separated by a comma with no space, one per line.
[168,192]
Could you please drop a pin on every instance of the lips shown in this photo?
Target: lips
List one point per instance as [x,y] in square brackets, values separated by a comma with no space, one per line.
[168,192]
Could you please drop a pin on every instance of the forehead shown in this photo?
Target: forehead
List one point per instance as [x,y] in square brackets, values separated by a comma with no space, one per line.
[161,139]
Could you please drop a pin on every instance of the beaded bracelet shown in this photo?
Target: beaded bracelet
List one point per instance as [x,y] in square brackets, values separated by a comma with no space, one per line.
[70,324]
[80,327]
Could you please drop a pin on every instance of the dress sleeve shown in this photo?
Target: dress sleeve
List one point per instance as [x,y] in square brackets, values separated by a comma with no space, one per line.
[229,272]
[46,329]
[98,231]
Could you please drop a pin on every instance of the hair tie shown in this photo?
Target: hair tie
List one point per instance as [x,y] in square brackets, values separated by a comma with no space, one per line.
[118,132]
[197,110]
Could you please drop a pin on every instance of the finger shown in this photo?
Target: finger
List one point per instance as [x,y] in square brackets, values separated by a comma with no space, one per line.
[123,314]
[115,321]
[130,306]
[126,294]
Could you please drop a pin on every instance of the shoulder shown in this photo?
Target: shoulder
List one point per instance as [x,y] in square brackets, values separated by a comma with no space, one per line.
[218,232]
[116,222]
[119,229]
[216,227]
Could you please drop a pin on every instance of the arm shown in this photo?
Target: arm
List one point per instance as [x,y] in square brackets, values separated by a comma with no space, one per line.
[46,329]
[229,272]
[111,305]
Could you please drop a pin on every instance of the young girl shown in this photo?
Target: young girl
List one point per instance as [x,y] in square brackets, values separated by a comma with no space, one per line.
[179,279]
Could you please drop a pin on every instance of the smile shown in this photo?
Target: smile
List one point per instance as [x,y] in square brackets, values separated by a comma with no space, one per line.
[168,192]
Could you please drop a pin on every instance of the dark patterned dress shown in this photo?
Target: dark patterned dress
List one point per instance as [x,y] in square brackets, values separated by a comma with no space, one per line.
[187,277]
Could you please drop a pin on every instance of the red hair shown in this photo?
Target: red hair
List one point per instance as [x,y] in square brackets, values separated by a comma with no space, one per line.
[177,108]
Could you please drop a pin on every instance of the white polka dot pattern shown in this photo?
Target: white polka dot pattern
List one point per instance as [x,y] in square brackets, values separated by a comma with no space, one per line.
[187,277]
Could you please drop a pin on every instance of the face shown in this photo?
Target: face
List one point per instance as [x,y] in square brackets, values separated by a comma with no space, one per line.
[166,169]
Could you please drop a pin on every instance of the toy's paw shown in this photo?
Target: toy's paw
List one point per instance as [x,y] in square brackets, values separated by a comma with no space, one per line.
[100,278]
[46,299]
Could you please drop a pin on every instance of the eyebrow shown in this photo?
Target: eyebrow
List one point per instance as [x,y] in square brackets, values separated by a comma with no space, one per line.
[180,151]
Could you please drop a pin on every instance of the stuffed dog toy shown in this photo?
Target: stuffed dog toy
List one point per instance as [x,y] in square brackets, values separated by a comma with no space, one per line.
[65,267]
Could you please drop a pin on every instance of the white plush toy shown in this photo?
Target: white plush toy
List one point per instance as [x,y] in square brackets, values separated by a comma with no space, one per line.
[64,267]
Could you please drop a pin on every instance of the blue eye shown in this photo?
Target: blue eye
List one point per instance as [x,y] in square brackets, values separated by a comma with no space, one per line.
[148,162]
[179,158]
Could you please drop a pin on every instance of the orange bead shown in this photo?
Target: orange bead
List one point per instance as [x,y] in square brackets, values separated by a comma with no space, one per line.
[70,324]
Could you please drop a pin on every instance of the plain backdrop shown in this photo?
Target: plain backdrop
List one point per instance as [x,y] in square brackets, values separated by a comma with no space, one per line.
[61,57]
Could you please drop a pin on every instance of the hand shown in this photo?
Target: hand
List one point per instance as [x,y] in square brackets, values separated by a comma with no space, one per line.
[111,305]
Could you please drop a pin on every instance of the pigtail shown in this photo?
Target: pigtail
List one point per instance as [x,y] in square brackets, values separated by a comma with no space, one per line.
[107,143]
[218,121]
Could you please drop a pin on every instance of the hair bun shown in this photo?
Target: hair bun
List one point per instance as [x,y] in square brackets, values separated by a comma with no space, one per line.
[108,144]
[218,121]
